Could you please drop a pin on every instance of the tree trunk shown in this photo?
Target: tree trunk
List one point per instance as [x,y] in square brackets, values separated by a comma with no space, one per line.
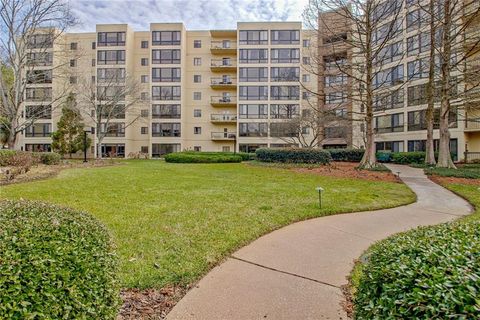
[430,150]
[444,156]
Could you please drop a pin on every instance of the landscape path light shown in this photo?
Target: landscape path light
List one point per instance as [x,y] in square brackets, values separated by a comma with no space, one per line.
[320,191]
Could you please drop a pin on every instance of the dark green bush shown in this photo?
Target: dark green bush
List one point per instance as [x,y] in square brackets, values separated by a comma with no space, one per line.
[246,156]
[350,155]
[55,263]
[202,157]
[426,273]
[408,157]
[293,155]
[49,158]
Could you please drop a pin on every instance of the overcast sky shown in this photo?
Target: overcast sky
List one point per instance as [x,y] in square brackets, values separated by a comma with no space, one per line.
[196,14]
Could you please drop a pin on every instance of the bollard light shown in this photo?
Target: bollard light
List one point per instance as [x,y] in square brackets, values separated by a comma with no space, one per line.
[320,191]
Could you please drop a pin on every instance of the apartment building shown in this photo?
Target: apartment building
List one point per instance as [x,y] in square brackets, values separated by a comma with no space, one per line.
[400,87]
[216,90]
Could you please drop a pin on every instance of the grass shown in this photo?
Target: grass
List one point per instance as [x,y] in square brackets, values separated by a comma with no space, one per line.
[173,222]
[469,171]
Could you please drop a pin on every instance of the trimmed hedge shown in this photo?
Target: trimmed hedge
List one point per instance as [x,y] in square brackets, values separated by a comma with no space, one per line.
[8,157]
[350,155]
[55,263]
[408,157]
[203,157]
[293,155]
[425,273]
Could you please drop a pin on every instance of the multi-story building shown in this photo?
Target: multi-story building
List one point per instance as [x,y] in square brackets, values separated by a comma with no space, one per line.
[216,90]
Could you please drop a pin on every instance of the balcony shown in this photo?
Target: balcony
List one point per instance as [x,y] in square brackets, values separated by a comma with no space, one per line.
[472,124]
[222,101]
[223,118]
[223,47]
[223,83]
[222,65]
[223,136]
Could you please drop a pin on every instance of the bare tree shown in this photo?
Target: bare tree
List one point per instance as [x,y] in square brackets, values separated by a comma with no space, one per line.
[373,26]
[28,31]
[115,96]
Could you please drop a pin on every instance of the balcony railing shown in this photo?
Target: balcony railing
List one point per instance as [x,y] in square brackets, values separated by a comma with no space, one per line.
[472,124]
[223,82]
[37,134]
[223,117]
[222,100]
[223,64]
[223,136]
[471,157]
[223,45]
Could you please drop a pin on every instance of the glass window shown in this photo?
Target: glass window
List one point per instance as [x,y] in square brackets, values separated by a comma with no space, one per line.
[285,55]
[253,55]
[166,56]
[253,129]
[106,39]
[166,93]
[111,57]
[285,74]
[166,111]
[253,74]
[161,149]
[253,37]
[166,129]
[285,92]
[253,111]
[165,74]
[284,111]
[165,38]
[253,92]
[285,37]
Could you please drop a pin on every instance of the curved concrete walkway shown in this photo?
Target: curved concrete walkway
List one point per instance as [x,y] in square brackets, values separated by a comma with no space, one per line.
[296,272]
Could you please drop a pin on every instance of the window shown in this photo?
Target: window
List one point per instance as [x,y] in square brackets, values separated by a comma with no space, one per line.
[165,74]
[110,75]
[166,130]
[253,111]
[166,93]
[144,61]
[285,74]
[144,130]
[253,37]
[389,146]
[73,80]
[144,113]
[197,96]
[166,111]
[335,97]
[161,149]
[197,148]
[106,39]
[335,80]
[306,60]
[38,147]
[38,94]
[111,57]
[144,149]
[285,37]
[253,129]
[93,79]
[389,123]
[282,129]
[38,130]
[197,113]
[420,145]
[253,92]
[388,100]
[253,55]
[113,129]
[284,111]
[390,29]
[417,120]
[418,43]
[306,43]
[165,38]
[389,77]
[197,130]
[73,46]
[335,132]
[110,92]
[197,61]
[144,45]
[197,43]
[38,112]
[285,92]
[94,45]
[306,78]
[225,148]
[334,62]
[417,94]
[166,56]
[144,79]
[253,74]
[40,58]
[39,76]
[73,63]
[285,55]
[144,96]
[417,19]
[40,41]
[197,78]
[389,53]
[93,62]
[335,38]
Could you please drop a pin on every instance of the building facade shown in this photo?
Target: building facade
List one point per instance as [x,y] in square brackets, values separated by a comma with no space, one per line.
[215,90]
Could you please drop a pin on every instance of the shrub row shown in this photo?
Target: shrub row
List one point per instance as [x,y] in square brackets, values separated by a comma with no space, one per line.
[350,155]
[426,273]
[55,263]
[203,157]
[468,171]
[14,157]
[293,155]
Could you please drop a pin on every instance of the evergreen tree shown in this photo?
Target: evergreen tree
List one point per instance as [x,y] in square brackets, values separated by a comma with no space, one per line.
[68,138]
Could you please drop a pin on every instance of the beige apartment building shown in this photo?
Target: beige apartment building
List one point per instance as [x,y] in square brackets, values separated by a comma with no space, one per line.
[215,90]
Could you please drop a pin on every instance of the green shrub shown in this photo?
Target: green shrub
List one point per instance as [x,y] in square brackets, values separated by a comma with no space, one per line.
[426,273]
[246,156]
[202,157]
[408,157]
[350,155]
[55,263]
[49,158]
[468,171]
[293,155]
[6,157]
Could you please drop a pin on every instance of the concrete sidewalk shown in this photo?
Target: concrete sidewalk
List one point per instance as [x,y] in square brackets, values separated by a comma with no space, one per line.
[296,272]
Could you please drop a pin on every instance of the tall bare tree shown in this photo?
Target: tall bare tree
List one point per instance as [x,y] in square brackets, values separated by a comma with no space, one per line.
[28,30]
[373,26]
[114,97]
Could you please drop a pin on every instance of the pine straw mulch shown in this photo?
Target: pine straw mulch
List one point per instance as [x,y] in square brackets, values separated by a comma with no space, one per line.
[349,170]
[449,180]
[149,304]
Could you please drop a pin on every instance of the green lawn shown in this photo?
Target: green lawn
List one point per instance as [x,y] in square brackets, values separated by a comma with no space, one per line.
[173,222]
[472,194]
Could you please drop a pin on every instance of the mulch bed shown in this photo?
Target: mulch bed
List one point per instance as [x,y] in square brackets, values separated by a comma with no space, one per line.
[349,170]
[449,180]
[149,303]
